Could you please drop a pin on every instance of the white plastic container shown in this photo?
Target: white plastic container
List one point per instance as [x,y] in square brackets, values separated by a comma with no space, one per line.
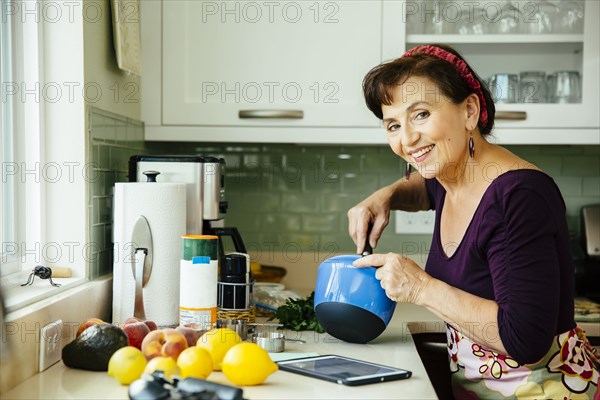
[198,276]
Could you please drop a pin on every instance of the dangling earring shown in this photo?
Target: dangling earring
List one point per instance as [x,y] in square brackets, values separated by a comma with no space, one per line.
[407,171]
[471,146]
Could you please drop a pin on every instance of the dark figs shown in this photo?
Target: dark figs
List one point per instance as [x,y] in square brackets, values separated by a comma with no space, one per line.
[94,347]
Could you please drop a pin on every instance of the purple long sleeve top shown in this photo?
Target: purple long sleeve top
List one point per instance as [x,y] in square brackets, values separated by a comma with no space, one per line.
[516,252]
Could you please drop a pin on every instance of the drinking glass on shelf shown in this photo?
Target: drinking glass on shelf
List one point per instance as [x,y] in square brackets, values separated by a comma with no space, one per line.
[414,21]
[539,16]
[504,87]
[570,16]
[503,18]
[471,20]
[432,12]
[532,87]
[564,87]
[551,87]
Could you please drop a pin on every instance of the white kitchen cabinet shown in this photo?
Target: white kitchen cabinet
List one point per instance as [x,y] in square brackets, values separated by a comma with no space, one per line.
[490,53]
[291,72]
[236,65]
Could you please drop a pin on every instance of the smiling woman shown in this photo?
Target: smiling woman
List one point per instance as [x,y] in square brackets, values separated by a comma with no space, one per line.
[499,270]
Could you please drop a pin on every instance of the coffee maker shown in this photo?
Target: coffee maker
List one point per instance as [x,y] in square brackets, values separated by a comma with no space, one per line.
[204,177]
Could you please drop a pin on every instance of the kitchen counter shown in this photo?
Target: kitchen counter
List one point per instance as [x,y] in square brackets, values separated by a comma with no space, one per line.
[394,347]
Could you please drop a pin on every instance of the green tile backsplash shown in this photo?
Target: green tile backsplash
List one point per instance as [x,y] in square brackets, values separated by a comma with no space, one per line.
[112,139]
[295,197]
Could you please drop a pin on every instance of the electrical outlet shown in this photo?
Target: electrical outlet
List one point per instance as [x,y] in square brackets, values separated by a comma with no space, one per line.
[420,222]
[50,344]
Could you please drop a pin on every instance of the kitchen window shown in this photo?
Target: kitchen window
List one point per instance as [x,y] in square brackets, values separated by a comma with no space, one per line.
[42,146]
[21,139]
[7,187]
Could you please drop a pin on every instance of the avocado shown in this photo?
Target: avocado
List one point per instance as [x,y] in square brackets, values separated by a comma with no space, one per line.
[94,347]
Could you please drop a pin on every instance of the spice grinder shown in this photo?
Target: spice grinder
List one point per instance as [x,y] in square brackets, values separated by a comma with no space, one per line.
[350,303]
[235,282]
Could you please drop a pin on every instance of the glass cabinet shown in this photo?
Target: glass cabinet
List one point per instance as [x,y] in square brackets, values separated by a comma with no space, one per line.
[540,59]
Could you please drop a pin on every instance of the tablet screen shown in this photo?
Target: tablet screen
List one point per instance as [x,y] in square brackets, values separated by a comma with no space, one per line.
[343,370]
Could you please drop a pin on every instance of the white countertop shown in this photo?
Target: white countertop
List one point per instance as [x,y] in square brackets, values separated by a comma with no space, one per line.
[394,347]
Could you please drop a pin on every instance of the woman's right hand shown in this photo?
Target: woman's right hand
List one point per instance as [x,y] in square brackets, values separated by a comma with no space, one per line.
[374,212]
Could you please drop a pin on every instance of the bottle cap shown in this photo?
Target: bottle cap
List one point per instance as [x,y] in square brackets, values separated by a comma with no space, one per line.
[233,264]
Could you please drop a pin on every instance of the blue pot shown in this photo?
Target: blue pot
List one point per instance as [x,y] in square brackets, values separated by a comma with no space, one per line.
[349,301]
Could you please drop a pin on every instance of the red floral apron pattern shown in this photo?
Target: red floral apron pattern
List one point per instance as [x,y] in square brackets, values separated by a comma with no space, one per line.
[570,370]
[577,360]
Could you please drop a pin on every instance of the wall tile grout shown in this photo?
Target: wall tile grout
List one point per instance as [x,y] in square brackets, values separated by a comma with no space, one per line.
[270,186]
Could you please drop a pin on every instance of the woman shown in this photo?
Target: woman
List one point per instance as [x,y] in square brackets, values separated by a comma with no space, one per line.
[499,271]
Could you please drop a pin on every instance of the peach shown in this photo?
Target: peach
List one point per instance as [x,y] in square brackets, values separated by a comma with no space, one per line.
[151,324]
[87,323]
[136,331]
[192,332]
[164,342]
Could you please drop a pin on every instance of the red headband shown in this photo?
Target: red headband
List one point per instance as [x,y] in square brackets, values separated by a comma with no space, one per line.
[463,70]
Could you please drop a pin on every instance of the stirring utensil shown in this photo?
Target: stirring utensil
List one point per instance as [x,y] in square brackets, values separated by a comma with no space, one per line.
[368,250]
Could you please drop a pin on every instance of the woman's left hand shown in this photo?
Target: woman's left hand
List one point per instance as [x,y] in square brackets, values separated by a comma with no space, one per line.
[401,278]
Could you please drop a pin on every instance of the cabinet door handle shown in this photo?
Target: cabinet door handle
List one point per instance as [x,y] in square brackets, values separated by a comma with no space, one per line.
[271,114]
[512,115]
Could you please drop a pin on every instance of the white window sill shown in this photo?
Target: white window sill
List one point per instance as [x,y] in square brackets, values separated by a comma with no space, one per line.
[16,297]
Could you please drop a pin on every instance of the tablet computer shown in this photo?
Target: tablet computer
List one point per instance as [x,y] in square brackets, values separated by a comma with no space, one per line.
[343,370]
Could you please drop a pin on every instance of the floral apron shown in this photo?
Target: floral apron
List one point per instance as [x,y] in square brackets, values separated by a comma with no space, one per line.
[570,370]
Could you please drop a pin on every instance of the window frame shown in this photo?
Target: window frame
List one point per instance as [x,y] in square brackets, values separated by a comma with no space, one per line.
[30,142]
[8,232]
[50,211]
[24,140]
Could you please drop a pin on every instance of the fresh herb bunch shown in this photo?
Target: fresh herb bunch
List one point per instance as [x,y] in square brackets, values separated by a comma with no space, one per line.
[299,315]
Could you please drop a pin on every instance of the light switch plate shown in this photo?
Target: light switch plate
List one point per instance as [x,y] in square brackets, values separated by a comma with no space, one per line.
[420,222]
[50,344]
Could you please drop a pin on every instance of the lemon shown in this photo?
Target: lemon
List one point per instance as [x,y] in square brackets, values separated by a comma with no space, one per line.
[217,342]
[248,364]
[165,364]
[255,267]
[195,362]
[126,364]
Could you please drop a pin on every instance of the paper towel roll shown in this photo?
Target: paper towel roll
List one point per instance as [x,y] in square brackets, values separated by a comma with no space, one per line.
[163,205]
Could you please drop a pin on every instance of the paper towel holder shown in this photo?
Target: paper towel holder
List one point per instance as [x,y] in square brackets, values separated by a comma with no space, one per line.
[151,175]
[141,239]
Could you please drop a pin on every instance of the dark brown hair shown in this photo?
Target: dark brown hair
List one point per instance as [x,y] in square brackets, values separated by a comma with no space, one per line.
[379,83]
